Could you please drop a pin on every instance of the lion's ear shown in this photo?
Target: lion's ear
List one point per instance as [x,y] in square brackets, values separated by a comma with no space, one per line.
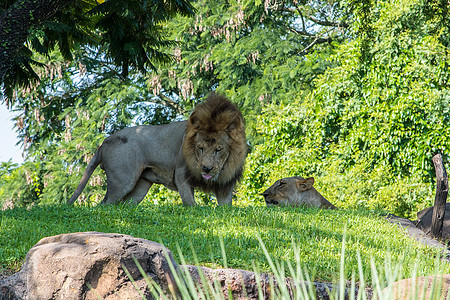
[234,124]
[305,184]
[195,122]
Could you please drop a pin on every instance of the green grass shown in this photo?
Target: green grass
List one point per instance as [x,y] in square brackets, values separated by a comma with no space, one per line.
[309,238]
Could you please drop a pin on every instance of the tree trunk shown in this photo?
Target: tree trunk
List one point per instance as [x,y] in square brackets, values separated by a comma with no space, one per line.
[437,220]
[15,25]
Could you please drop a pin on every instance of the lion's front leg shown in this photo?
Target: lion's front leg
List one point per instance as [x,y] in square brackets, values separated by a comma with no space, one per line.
[184,188]
[225,196]
[187,195]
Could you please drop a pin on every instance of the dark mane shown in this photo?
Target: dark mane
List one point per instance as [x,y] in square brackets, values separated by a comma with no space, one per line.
[216,115]
[213,186]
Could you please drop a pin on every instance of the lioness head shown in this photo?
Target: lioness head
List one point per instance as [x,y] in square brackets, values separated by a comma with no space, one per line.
[215,146]
[295,191]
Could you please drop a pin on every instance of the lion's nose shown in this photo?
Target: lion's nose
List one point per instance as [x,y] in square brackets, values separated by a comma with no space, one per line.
[207,169]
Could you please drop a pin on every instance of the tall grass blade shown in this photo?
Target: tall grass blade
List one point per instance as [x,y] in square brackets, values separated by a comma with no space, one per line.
[95,292]
[362,282]
[342,268]
[302,286]
[267,255]
[210,291]
[224,254]
[190,285]
[376,282]
[178,280]
[258,281]
[353,287]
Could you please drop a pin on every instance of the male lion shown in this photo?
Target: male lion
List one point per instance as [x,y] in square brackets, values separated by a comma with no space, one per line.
[208,151]
[295,191]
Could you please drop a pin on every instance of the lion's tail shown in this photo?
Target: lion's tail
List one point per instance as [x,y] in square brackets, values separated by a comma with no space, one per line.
[95,161]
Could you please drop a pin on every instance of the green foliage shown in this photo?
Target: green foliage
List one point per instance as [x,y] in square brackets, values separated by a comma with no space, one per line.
[397,116]
[21,185]
[368,137]
[130,32]
[250,51]
[253,52]
[314,236]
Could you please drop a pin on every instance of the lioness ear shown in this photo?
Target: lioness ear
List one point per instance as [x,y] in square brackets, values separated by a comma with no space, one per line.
[305,184]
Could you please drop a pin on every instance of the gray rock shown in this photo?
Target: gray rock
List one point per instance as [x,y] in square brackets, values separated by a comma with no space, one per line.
[89,265]
[241,284]
[417,231]
[429,287]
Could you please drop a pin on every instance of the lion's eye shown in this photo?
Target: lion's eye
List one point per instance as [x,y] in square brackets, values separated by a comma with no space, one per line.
[218,149]
[281,183]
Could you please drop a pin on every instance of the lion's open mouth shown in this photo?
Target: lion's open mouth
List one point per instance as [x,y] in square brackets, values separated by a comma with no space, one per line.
[207,176]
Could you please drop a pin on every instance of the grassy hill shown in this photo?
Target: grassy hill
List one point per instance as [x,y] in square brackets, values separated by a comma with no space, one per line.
[308,238]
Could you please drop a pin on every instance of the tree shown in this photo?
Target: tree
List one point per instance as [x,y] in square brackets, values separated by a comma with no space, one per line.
[130,31]
[16,21]
[255,52]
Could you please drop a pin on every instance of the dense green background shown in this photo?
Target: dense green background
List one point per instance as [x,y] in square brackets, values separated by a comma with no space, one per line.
[354,93]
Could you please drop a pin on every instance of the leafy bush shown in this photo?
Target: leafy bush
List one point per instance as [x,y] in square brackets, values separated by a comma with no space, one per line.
[369,129]
[293,147]
[21,185]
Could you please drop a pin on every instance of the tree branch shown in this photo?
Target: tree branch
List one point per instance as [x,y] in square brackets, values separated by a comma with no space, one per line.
[302,18]
[317,40]
[301,32]
[315,20]
[328,23]
[166,101]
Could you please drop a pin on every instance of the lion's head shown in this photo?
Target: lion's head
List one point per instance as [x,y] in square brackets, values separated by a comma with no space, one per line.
[215,146]
[295,191]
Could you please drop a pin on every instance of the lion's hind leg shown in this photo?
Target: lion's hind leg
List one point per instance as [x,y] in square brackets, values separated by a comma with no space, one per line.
[119,184]
[139,192]
[113,195]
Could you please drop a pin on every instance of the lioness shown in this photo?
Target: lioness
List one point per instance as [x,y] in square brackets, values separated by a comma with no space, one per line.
[295,191]
[208,151]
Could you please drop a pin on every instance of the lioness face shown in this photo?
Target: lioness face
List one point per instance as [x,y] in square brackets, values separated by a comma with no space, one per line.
[212,151]
[287,191]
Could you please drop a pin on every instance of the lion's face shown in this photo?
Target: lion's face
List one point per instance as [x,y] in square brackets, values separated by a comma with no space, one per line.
[214,147]
[287,191]
[211,152]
